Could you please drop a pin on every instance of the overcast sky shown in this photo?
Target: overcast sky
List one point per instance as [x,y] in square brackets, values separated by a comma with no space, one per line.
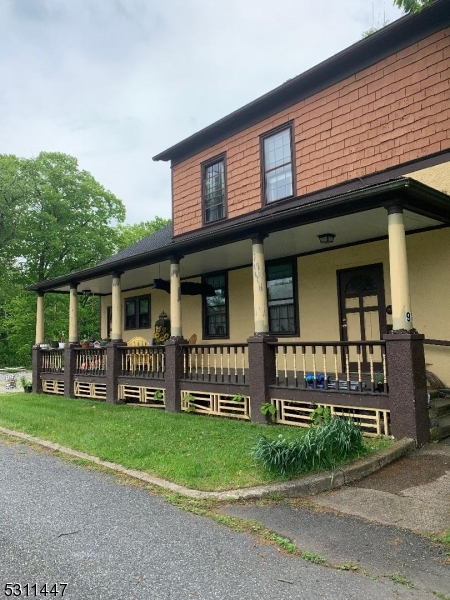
[114,82]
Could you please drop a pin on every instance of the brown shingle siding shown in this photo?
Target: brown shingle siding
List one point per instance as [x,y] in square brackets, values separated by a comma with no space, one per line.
[392,112]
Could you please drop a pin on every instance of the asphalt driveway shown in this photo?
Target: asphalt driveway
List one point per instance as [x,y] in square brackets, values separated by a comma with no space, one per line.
[60,523]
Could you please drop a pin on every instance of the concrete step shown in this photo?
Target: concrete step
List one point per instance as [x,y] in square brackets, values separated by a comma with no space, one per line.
[440,428]
[439,407]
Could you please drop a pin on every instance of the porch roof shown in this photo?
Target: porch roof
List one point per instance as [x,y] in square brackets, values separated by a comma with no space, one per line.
[368,51]
[357,213]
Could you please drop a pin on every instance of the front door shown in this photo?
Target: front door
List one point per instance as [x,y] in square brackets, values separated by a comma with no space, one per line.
[362,311]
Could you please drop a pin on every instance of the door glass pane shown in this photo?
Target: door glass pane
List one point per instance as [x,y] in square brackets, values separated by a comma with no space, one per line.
[372,326]
[352,303]
[370,301]
[353,332]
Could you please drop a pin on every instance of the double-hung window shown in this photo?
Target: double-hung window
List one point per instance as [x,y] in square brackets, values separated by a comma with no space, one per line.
[137,312]
[278,182]
[214,190]
[215,306]
[281,297]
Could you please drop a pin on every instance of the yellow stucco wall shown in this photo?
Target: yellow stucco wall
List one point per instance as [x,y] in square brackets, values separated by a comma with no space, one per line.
[437,177]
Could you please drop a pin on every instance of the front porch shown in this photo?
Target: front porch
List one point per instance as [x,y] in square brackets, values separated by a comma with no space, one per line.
[279,295]
[236,380]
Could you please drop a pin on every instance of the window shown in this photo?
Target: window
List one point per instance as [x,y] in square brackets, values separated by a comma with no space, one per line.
[281,298]
[213,174]
[277,160]
[137,312]
[215,307]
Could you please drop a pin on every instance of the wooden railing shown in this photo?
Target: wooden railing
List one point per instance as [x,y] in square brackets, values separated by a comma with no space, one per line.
[341,366]
[143,361]
[53,361]
[92,361]
[218,363]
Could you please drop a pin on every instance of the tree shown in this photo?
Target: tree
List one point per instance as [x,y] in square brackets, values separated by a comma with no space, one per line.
[412,6]
[54,219]
[130,234]
[67,220]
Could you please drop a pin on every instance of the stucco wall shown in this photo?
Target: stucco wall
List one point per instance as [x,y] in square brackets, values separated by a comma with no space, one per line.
[395,111]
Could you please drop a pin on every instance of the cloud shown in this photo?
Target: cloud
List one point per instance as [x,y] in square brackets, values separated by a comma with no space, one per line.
[114,83]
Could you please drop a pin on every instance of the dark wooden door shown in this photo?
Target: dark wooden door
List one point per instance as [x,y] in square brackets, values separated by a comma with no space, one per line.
[362,310]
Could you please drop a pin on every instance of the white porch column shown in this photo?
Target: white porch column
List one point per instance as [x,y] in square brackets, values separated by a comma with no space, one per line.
[40,319]
[73,314]
[261,315]
[175,299]
[398,265]
[116,308]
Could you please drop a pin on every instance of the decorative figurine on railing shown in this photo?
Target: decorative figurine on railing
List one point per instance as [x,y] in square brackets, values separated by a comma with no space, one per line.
[162,330]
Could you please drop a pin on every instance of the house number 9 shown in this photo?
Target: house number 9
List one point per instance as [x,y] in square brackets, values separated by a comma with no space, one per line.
[408,317]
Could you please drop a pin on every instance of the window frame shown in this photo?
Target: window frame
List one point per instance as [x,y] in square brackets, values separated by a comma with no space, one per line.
[209,163]
[206,335]
[293,262]
[262,139]
[136,300]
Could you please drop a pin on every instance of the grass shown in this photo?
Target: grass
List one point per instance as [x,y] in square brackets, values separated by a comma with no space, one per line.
[204,453]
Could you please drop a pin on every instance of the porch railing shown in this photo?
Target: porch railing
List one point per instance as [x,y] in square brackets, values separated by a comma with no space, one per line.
[92,361]
[341,366]
[143,361]
[53,361]
[218,363]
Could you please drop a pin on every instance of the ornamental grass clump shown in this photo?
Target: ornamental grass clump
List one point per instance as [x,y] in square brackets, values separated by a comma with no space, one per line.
[324,446]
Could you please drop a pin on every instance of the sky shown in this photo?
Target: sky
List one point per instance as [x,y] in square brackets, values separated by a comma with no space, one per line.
[115,82]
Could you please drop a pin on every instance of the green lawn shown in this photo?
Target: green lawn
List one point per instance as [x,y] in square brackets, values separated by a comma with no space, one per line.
[205,453]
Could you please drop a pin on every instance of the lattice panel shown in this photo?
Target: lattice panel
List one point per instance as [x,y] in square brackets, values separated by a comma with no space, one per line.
[84,389]
[135,394]
[50,386]
[223,405]
[373,421]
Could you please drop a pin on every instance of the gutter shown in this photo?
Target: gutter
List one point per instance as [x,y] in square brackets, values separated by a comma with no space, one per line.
[340,205]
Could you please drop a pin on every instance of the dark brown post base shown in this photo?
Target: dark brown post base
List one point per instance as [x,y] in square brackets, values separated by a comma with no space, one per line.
[69,369]
[37,369]
[261,362]
[174,372]
[114,366]
[407,386]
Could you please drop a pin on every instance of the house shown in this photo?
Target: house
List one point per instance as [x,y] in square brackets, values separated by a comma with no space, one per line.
[313,223]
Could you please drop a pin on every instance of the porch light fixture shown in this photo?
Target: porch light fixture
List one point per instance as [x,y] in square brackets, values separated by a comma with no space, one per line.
[326,238]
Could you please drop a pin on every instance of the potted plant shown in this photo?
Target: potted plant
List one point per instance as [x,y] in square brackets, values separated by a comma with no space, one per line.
[26,384]
[85,343]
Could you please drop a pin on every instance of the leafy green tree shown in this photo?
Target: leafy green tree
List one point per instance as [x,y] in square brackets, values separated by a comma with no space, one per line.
[130,234]
[54,219]
[412,6]
[68,221]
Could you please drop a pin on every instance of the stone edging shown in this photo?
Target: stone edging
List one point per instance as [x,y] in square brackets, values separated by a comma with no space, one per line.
[306,486]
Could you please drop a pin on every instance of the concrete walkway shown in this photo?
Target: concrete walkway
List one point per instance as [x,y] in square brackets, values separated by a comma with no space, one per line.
[380,524]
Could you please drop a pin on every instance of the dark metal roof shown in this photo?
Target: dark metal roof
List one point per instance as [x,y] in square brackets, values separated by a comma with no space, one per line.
[388,40]
[155,241]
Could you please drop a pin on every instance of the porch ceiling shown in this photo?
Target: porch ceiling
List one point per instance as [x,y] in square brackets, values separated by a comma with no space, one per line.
[303,239]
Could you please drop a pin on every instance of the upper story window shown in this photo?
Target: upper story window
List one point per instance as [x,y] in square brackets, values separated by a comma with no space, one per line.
[137,312]
[215,307]
[214,190]
[281,297]
[278,174]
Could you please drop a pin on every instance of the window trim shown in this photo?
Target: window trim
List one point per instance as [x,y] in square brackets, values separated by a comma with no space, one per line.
[136,300]
[262,138]
[204,165]
[282,261]
[206,335]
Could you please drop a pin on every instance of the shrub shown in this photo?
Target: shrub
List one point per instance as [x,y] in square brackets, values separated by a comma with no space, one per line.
[322,447]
